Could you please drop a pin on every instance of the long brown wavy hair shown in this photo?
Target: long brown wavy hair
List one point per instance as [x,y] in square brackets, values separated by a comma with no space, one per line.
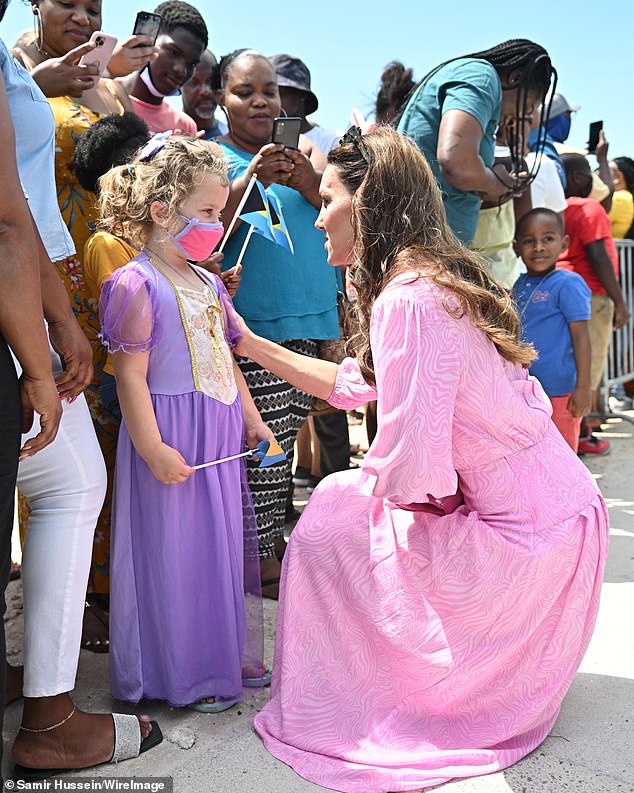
[399,225]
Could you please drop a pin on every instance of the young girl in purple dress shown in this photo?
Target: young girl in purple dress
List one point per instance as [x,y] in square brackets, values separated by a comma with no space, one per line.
[185,605]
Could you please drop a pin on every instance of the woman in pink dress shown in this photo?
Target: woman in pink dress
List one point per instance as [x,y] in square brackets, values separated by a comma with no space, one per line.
[436,604]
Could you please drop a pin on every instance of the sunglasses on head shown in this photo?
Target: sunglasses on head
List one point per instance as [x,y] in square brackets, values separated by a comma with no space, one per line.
[354,135]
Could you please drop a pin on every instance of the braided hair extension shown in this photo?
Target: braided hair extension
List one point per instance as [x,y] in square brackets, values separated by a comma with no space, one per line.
[537,75]
[626,167]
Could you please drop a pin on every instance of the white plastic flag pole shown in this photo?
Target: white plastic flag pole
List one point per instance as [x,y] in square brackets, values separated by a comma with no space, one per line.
[238,212]
[244,247]
[224,460]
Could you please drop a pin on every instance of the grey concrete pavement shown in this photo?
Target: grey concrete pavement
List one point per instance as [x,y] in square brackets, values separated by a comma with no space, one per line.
[590,750]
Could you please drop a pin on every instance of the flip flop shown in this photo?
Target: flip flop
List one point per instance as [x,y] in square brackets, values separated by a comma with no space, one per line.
[258,682]
[127,745]
[213,707]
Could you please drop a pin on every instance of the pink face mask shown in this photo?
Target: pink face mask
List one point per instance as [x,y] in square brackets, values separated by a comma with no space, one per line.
[197,240]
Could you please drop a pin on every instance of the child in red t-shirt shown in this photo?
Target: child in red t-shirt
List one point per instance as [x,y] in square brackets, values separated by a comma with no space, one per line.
[592,254]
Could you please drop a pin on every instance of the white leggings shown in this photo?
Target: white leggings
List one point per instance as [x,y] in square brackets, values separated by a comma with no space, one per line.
[65,485]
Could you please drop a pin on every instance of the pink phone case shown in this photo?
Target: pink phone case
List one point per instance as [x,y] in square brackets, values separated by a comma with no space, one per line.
[100,56]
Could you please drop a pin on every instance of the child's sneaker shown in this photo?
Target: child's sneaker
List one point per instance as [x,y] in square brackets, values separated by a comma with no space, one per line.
[593,446]
[302,477]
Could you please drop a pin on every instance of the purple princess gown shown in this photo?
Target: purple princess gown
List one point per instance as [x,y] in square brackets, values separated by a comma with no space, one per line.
[185,615]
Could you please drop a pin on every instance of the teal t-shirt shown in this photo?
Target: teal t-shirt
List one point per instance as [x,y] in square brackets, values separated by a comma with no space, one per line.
[468,84]
[284,296]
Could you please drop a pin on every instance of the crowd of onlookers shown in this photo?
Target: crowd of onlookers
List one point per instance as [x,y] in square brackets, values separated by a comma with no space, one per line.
[542,219]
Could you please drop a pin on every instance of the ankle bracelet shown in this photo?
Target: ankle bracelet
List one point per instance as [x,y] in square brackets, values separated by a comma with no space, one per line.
[54,726]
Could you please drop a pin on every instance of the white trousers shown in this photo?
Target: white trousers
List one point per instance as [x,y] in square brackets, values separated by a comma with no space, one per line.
[65,485]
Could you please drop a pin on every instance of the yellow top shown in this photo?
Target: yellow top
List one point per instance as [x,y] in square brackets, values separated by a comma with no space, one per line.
[622,213]
[104,253]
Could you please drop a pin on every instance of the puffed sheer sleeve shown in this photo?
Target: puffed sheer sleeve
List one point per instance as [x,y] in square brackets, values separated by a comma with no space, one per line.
[417,366]
[128,311]
[350,389]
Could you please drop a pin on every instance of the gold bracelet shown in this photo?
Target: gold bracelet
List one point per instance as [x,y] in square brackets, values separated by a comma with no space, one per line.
[54,727]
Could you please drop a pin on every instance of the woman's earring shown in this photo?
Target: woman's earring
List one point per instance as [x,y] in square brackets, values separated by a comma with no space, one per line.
[38,28]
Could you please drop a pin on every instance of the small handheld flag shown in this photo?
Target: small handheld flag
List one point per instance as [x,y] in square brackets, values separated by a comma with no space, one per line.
[256,212]
[280,230]
[268,452]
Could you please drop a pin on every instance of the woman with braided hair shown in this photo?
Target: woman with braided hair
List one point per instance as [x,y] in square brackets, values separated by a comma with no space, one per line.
[453,115]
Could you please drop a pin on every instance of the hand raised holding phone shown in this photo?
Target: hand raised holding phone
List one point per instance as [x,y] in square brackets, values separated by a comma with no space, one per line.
[67,76]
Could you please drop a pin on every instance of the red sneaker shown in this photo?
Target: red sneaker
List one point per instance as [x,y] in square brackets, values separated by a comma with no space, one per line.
[594,446]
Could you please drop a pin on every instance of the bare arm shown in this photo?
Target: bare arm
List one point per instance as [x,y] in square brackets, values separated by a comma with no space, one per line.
[580,400]
[21,319]
[67,338]
[167,464]
[312,375]
[458,153]
[604,270]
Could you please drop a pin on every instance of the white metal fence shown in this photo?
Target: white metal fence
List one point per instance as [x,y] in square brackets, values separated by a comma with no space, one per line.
[620,363]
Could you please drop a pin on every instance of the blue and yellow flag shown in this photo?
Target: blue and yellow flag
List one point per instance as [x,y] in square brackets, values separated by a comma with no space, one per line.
[269,453]
[278,225]
[256,211]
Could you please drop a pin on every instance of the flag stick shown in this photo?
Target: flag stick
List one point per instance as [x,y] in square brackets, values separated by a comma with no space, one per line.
[244,246]
[224,460]
[238,212]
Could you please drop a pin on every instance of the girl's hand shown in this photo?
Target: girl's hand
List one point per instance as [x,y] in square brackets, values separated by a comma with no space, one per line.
[256,432]
[168,465]
[271,165]
[303,176]
[579,402]
[132,55]
[64,76]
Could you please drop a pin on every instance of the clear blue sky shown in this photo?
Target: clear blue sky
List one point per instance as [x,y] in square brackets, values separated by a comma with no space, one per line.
[347,44]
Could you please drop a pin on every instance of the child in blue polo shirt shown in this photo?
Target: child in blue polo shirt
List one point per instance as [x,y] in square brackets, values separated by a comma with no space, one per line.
[554,309]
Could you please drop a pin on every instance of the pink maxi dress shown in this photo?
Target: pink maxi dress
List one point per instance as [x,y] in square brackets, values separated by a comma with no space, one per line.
[419,638]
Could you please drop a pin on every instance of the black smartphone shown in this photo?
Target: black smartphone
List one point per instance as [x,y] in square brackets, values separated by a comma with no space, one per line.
[147,24]
[593,137]
[286,131]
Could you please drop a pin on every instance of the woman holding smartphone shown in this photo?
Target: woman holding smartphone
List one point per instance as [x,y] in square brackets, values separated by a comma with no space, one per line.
[453,114]
[291,299]
[78,97]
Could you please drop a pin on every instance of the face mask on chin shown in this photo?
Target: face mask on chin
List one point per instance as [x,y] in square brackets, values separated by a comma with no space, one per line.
[197,240]
[146,79]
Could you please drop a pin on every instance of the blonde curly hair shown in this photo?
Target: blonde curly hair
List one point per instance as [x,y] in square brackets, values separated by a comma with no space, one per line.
[126,192]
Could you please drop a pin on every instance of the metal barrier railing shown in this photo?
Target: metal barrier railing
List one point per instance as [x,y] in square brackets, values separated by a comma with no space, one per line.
[619,366]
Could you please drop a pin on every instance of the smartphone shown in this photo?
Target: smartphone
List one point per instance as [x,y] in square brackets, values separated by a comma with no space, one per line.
[147,24]
[286,131]
[593,137]
[100,56]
